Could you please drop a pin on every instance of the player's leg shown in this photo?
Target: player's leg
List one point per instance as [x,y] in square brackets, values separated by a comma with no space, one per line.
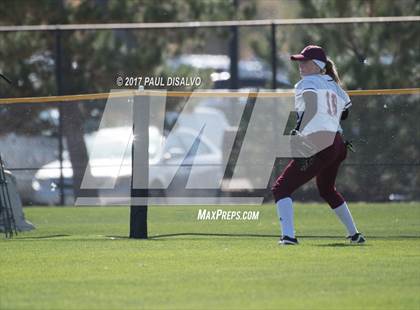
[282,189]
[325,182]
[291,179]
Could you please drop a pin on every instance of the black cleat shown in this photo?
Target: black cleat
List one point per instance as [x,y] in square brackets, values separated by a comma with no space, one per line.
[357,238]
[286,240]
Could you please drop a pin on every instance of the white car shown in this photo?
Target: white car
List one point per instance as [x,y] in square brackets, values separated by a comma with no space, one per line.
[167,157]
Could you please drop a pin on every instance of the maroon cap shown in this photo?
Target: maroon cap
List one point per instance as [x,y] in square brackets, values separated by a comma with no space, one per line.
[311,52]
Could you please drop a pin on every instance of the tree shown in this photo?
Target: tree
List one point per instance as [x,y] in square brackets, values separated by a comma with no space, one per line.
[371,56]
[91,60]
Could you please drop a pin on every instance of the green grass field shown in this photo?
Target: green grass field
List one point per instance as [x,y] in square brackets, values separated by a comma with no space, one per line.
[80,258]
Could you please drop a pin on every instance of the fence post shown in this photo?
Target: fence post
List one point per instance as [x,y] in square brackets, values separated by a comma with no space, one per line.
[233,55]
[273,56]
[233,52]
[140,167]
[59,88]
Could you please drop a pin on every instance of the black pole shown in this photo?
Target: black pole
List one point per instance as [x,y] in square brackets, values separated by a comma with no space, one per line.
[59,87]
[140,168]
[273,57]
[138,222]
[233,52]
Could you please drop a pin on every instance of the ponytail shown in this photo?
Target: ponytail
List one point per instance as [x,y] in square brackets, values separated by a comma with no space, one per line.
[331,70]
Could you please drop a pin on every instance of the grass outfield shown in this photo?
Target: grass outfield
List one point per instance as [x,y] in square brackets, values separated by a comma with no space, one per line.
[79,258]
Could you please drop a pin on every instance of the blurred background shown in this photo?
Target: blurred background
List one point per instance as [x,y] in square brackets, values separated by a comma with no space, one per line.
[46,145]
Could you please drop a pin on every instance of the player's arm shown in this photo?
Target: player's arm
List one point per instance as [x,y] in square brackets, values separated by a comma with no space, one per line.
[346,110]
[311,105]
[345,114]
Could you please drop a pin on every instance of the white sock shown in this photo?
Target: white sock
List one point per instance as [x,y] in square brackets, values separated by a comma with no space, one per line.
[345,217]
[285,213]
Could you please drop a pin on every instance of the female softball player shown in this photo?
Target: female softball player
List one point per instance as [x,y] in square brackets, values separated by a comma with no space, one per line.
[318,148]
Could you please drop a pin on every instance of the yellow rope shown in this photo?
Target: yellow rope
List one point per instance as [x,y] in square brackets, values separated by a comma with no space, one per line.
[209,93]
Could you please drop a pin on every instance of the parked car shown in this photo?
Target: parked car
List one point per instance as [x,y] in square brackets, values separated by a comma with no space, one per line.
[168,156]
[252,73]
